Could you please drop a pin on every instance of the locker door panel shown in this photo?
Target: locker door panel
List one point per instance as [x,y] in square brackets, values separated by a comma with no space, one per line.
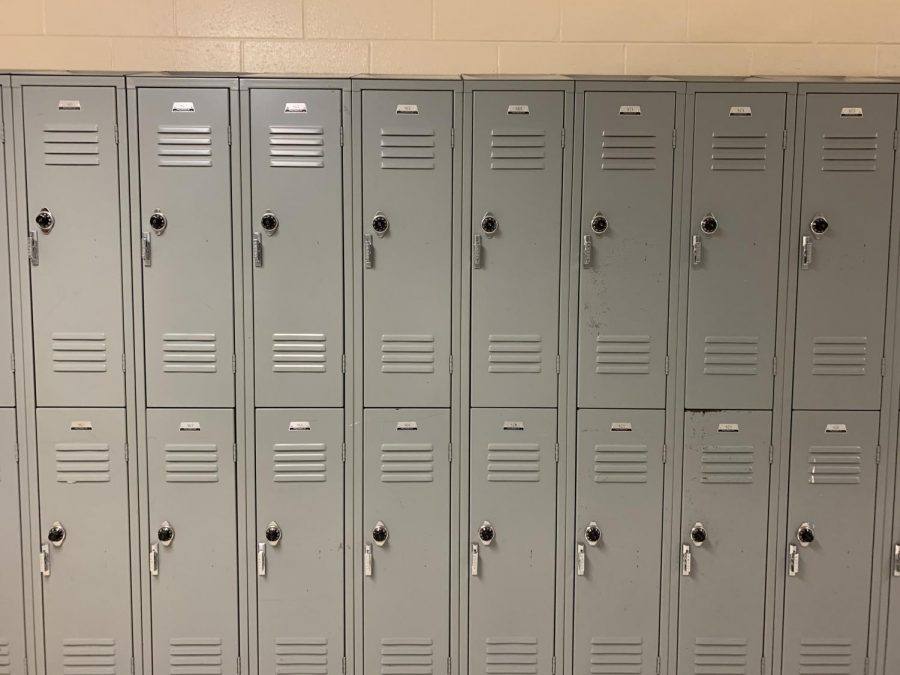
[723,579]
[618,533]
[406,597]
[72,171]
[12,618]
[517,169]
[512,503]
[193,591]
[296,169]
[626,228]
[185,174]
[83,482]
[407,165]
[841,294]
[736,201]
[300,529]
[7,381]
[831,495]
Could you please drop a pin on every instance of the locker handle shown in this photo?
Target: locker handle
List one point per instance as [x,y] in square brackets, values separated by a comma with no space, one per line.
[579,568]
[256,247]
[476,252]
[696,249]
[686,560]
[145,248]
[587,250]
[45,560]
[793,560]
[154,560]
[474,560]
[367,561]
[33,248]
[897,560]
[368,251]
[806,252]
[261,559]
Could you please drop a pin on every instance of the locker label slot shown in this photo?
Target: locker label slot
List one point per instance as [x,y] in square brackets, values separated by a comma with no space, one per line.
[183,106]
[299,426]
[69,104]
[189,426]
[729,427]
[518,109]
[295,107]
[851,112]
[740,111]
[407,109]
[835,428]
[513,426]
[620,426]
[630,110]
[81,425]
[407,426]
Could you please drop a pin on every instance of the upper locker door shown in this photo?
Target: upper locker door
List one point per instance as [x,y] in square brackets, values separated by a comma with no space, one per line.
[625,232]
[73,216]
[736,205]
[407,228]
[844,231]
[186,215]
[296,179]
[12,618]
[517,171]
[7,379]
[831,511]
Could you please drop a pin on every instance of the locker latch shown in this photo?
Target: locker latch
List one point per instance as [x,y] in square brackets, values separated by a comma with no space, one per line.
[261,559]
[587,250]
[145,248]
[45,560]
[897,560]
[474,560]
[793,560]
[476,251]
[154,560]
[367,561]
[696,249]
[579,563]
[257,246]
[686,559]
[368,251]
[33,248]
[818,226]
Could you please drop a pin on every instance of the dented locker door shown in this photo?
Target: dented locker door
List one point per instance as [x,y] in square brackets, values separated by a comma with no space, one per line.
[185,207]
[193,543]
[736,201]
[72,209]
[406,541]
[7,380]
[299,538]
[724,524]
[844,232]
[296,179]
[12,618]
[84,539]
[517,172]
[831,515]
[512,541]
[618,540]
[407,226]
[625,236]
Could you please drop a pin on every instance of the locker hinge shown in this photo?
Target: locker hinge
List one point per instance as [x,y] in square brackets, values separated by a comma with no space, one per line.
[25,663]
[771,454]
[342,137]
[556,452]
[877,454]
[674,138]
[233,363]
[116,134]
[553,665]
[238,665]
[450,452]
[343,363]
[343,452]
[451,364]
[234,452]
[132,665]
[884,367]
[658,665]
[2,134]
[452,137]
[866,666]
[12,362]
[557,364]
[784,139]
[667,364]
[896,138]
[123,363]
[126,452]
[344,665]
[229,143]
[774,365]
[665,453]
[762,666]
[17,453]
[449,665]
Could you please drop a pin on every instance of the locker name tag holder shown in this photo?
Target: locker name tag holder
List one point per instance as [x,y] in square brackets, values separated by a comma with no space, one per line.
[740,111]
[69,104]
[81,425]
[729,427]
[189,426]
[835,428]
[407,109]
[851,112]
[407,426]
[295,108]
[299,426]
[518,109]
[513,426]
[630,110]
[620,426]
[183,106]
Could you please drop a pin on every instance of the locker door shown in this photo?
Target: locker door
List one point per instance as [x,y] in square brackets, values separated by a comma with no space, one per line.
[192,530]
[300,537]
[85,552]
[296,178]
[735,223]
[185,194]
[845,225]
[626,228]
[7,382]
[12,618]
[831,511]
[517,169]
[407,225]
[893,627]
[406,541]
[512,530]
[72,205]
[618,540]
[725,502]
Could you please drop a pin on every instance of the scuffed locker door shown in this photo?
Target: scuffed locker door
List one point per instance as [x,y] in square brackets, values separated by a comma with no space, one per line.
[406,541]
[84,555]
[625,234]
[844,233]
[517,171]
[407,226]
[193,542]
[736,200]
[300,537]
[74,229]
[831,513]
[724,523]
[296,175]
[512,541]
[185,193]
[12,618]
[618,540]
[7,380]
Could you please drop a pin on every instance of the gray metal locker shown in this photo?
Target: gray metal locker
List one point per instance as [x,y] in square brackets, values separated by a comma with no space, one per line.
[84,539]
[844,232]
[299,540]
[72,221]
[516,216]
[512,541]
[735,231]
[296,206]
[193,573]
[407,230]
[618,540]
[7,380]
[724,525]
[406,541]
[625,233]
[12,618]
[186,239]
[831,512]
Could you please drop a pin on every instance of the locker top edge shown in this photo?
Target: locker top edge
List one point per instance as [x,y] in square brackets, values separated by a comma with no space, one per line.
[263,81]
[623,83]
[168,80]
[437,82]
[63,78]
[745,85]
[518,82]
[851,85]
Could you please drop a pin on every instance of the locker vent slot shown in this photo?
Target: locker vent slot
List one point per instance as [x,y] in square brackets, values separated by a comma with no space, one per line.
[407,353]
[407,462]
[298,352]
[517,149]
[511,656]
[716,656]
[78,352]
[514,463]
[82,462]
[628,152]
[189,352]
[620,463]
[71,145]
[622,355]
[617,656]
[514,353]
[839,355]
[726,464]
[301,656]
[407,148]
[192,463]
[738,152]
[850,152]
[835,465]
[731,355]
[5,658]
[833,657]
[184,145]
[407,656]
[296,146]
[91,656]
[195,656]
[299,463]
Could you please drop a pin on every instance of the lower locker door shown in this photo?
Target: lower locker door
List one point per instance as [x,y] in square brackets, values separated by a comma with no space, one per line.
[512,541]
[831,511]
[12,616]
[406,542]
[193,542]
[299,541]
[85,556]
